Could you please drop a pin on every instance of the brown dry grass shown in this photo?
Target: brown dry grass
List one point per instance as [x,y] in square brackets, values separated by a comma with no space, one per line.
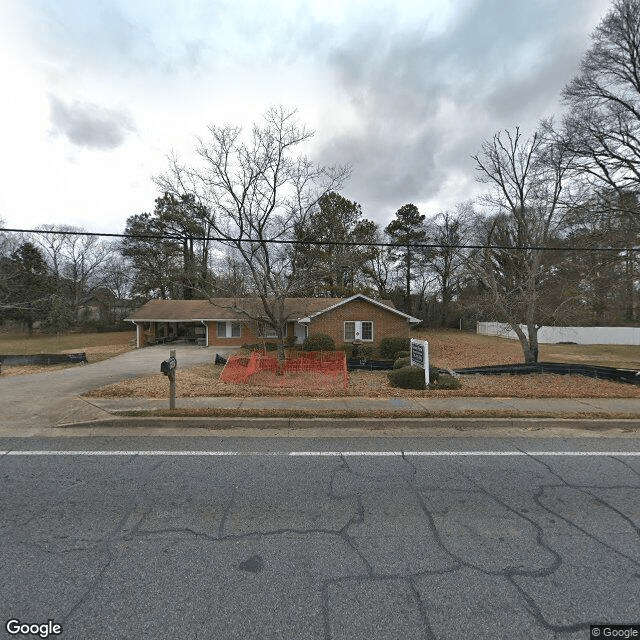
[202,381]
[97,346]
[20,343]
[455,349]
[354,413]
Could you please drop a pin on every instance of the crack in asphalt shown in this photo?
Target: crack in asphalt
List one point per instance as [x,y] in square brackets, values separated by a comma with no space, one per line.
[510,573]
[626,464]
[226,512]
[106,543]
[353,495]
[585,490]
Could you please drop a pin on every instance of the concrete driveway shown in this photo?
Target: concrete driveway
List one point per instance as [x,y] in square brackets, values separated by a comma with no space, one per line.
[43,400]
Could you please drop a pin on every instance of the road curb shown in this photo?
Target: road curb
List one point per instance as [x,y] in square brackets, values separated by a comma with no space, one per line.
[372,424]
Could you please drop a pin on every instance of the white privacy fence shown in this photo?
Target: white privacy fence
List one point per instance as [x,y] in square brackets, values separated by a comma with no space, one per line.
[579,335]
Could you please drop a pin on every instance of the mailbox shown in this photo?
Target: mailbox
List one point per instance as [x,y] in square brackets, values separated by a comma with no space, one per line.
[168,366]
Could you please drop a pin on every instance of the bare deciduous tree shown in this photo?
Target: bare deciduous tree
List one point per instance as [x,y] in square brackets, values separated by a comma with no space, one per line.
[256,191]
[602,127]
[447,261]
[76,263]
[526,179]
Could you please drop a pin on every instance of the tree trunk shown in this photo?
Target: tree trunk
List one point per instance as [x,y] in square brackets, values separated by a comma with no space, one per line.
[407,303]
[630,277]
[529,344]
[280,342]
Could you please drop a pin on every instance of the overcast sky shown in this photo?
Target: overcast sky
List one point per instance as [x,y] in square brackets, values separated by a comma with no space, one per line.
[97,93]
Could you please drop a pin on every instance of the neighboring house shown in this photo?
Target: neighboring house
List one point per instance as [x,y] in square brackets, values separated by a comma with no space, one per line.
[220,321]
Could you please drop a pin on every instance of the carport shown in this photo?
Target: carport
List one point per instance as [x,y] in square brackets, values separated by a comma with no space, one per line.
[151,332]
[163,321]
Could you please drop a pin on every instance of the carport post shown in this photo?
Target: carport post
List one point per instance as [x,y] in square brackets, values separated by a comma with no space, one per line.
[206,333]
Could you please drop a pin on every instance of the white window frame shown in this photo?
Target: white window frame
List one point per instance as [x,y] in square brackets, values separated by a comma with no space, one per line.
[357,330]
[228,331]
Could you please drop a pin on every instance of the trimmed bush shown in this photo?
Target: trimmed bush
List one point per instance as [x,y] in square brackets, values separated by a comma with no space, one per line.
[402,354]
[434,374]
[402,362]
[319,342]
[390,346]
[365,352]
[259,346]
[407,378]
[445,381]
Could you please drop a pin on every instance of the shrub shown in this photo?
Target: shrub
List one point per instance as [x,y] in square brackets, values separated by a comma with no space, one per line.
[290,342]
[319,342]
[390,346]
[259,346]
[445,381]
[434,374]
[402,362]
[407,378]
[365,352]
[402,354]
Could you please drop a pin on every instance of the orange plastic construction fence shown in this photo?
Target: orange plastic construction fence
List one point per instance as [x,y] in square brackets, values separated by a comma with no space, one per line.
[301,370]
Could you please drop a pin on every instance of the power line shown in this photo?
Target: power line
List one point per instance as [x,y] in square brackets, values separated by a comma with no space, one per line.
[436,245]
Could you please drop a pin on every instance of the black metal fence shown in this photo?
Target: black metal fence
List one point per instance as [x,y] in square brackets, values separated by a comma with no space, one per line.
[41,358]
[592,371]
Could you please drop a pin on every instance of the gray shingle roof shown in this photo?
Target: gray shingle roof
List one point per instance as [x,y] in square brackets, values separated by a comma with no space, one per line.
[223,308]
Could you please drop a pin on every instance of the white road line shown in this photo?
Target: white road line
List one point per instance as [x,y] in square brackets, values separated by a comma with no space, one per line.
[336,454]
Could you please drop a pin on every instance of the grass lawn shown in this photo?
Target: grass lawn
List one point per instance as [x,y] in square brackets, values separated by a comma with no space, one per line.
[455,349]
[97,346]
[447,349]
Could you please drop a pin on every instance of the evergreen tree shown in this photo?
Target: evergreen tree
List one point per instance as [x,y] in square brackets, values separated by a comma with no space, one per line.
[406,230]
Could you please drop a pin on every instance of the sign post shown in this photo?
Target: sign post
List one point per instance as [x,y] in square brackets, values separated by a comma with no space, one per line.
[168,367]
[420,357]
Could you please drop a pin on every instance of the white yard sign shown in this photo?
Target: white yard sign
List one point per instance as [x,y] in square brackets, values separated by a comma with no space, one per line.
[420,357]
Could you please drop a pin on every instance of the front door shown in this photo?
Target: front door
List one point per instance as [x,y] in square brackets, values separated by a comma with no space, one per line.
[300,331]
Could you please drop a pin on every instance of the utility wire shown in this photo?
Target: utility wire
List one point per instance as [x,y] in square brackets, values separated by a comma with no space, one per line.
[436,245]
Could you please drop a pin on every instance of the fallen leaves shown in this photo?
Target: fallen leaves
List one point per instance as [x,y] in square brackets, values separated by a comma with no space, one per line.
[202,381]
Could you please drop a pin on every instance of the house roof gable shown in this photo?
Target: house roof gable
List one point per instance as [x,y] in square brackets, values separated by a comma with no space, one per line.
[384,304]
[300,309]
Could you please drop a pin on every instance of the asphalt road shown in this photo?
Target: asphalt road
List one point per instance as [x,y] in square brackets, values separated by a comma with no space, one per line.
[287,538]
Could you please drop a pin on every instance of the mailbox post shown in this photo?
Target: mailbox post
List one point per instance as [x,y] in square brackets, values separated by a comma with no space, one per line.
[168,367]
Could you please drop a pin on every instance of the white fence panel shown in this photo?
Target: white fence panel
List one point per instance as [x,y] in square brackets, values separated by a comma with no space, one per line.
[579,335]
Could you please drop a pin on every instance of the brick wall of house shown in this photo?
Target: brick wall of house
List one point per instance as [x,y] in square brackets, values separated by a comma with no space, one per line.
[247,335]
[385,323]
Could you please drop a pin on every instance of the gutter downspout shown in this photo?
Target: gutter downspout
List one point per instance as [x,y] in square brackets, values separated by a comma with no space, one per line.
[137,333]
[206,333]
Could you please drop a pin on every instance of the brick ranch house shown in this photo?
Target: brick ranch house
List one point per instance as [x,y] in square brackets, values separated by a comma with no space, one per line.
[220,321]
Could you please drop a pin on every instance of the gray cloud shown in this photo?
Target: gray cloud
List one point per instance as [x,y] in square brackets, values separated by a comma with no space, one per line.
[425,103]
[89,125]
[83,35]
